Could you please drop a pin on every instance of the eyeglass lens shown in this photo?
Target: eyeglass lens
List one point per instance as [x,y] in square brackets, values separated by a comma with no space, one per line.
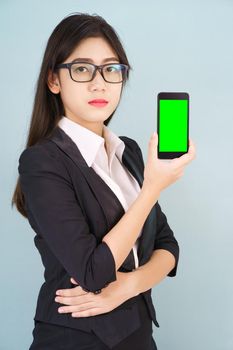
[83,72]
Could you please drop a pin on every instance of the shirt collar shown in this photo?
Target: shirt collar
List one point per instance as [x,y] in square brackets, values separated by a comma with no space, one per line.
[89,143]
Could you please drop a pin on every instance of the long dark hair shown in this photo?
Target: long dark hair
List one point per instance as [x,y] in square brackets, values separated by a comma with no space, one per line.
[48,108]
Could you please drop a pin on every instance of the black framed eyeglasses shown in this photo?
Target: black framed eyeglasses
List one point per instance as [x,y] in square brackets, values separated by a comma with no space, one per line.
[83,72]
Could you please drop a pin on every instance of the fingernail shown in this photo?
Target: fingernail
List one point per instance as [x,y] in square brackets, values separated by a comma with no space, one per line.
[61,310]
[58,292]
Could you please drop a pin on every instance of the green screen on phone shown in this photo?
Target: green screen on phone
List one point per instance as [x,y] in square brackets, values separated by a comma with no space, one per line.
[173,124]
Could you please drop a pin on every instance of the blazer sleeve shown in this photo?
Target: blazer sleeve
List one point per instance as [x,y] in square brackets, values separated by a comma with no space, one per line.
[164,238]
[51,202]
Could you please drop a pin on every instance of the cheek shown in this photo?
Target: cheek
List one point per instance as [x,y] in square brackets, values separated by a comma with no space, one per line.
[72,96]
[116,93]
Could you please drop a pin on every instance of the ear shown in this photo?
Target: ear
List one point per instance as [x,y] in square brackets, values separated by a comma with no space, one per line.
[53,83]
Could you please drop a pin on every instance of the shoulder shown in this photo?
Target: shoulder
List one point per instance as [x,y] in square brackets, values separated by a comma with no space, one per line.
[41,155]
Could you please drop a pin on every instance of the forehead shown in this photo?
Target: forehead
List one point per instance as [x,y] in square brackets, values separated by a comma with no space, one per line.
[96,49]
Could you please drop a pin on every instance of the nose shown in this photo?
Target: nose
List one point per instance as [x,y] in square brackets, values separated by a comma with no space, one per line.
[98,80]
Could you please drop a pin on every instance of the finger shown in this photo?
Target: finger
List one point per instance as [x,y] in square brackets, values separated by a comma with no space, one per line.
[191,150]
[73,281]
[67,309]
[192,147]
[74,300]
[71,292]
[182,161]
[152,146]
[66,300]
[89,312]
[74,308]
[154,138]
[187,157]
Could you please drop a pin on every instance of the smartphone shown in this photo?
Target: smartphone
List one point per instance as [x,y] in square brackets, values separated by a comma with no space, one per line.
[172,124]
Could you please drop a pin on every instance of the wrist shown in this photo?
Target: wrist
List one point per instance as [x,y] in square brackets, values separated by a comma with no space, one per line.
[133,283]
[151,195]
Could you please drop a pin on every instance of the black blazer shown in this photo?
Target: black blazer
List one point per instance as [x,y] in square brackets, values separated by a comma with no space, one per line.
[71,208]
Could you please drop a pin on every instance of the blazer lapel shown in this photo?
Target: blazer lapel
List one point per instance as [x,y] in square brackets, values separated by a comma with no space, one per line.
[108,201]
[111,206]
[146,241]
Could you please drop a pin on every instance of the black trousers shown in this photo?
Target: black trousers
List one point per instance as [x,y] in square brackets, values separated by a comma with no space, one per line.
[53,337]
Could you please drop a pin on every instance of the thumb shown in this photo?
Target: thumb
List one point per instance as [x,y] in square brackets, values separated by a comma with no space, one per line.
[153,144]
[155,137]
[73,281]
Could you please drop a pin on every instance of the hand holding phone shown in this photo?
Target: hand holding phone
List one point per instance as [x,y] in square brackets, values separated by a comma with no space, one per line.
[159,174]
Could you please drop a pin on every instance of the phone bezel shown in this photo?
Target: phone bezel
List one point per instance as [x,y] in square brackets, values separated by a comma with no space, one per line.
[171,96]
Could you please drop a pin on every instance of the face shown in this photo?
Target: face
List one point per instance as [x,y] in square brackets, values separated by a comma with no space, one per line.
[75,96]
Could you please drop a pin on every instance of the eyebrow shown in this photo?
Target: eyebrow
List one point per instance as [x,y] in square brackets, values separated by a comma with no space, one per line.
[91,60]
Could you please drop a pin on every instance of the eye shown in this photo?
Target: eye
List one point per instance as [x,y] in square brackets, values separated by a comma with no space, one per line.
[112,68]
[80,69]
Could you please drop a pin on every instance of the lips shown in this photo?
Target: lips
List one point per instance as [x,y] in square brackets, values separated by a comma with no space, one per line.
[98,102]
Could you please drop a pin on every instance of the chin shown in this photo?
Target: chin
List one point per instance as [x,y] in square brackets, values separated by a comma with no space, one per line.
[102,118]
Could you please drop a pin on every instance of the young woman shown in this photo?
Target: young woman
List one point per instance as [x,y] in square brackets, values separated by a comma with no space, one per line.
[103,238]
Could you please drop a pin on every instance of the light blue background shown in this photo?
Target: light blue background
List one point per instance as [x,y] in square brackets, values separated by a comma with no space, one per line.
[172,46]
